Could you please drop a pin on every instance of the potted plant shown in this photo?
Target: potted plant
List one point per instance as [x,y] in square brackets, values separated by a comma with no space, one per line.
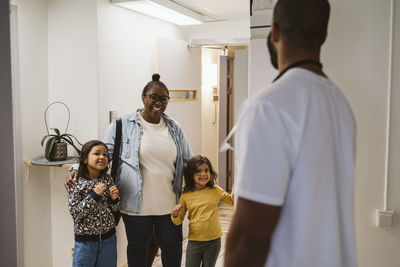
[56,145]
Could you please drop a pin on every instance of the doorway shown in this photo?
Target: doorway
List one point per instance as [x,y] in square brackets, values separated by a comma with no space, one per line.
[220,72]
[224,88]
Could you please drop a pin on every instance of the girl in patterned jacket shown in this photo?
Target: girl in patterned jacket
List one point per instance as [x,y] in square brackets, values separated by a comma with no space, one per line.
[92,203]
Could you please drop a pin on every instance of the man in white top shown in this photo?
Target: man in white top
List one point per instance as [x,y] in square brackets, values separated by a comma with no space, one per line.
[295,153]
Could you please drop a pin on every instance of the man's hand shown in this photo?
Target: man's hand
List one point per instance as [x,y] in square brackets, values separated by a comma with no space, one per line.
[70,180]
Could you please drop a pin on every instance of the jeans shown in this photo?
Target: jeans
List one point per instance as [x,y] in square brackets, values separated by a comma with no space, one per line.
[96,254]
[202,252]
[139,231]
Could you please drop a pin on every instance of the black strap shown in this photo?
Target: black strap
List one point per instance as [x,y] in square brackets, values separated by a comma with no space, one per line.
[117,145]
[298,63]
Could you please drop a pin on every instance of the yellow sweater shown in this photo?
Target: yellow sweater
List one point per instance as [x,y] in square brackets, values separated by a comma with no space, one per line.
[202,207]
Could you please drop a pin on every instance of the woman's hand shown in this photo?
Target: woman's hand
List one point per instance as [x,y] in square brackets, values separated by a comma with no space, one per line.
[114,194]
[70,180]
[176,210]
[100,188]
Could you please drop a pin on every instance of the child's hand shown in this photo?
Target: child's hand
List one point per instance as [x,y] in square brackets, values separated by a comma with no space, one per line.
[100,188]
[176,210]
[114,194]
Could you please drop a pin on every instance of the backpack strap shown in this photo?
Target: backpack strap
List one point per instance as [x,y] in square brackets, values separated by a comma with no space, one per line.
[117,145]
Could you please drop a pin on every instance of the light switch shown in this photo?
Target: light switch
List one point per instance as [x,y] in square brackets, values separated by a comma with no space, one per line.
[384,218]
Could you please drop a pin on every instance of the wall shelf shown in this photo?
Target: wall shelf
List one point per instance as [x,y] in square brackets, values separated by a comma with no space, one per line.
[42,161]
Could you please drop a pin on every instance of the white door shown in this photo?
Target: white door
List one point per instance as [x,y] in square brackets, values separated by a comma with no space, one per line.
[180,68]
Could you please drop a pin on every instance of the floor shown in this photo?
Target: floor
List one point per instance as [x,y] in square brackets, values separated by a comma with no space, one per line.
[225,216]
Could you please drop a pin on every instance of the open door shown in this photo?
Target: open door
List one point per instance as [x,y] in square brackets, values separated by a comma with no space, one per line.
[226,121]
[180,69]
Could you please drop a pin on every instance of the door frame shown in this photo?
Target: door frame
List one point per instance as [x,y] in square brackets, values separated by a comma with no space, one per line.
[223,131]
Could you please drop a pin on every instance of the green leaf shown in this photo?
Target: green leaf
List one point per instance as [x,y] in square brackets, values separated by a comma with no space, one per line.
[49,147]
[70,135]
[66,137]
[57,131]
[45,137]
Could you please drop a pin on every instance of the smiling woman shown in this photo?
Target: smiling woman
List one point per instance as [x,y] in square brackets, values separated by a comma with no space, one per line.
[154,152]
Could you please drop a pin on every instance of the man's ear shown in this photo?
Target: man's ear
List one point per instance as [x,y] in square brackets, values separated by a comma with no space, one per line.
[143,98]
[275,32]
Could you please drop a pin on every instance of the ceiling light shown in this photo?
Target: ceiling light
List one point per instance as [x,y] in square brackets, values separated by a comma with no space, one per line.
[162,9]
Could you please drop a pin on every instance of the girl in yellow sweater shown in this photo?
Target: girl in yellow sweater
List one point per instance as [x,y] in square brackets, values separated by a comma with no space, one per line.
[200,198]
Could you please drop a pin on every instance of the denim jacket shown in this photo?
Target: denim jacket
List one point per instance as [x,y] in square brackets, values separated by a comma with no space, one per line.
[128,177]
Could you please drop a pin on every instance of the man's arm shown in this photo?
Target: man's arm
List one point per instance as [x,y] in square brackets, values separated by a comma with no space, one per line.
[249,236]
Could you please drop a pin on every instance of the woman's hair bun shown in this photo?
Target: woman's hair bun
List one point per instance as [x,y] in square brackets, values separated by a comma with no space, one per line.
[155,77]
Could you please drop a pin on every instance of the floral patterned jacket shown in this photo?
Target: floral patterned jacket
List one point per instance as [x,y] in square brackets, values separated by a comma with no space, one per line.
[93,214]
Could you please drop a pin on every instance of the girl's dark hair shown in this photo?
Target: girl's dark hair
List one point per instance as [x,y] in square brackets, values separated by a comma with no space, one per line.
[155,81]
[83,170]
[190,171]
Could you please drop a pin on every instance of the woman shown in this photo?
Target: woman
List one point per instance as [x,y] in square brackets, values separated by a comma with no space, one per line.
[154,152]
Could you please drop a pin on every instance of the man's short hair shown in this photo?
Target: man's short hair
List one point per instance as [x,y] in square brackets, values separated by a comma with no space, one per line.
[303,23]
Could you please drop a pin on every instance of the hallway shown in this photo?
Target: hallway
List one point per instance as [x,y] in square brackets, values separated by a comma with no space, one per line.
[225,216]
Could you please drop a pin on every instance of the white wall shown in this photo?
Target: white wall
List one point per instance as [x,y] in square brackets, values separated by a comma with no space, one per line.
[209,108]
[126,43]
[73,61]
[221,31]
[394,171]
[261,72]
[186,74]
[356,58]
[241,79]
[72,71]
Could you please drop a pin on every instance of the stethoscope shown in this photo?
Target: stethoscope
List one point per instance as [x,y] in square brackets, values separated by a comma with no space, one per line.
[298,63]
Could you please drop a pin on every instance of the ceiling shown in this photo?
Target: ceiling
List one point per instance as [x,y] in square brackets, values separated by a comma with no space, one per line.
[219,9]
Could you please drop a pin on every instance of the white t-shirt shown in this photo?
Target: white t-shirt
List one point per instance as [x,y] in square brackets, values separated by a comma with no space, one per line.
[157,156]
[295,148]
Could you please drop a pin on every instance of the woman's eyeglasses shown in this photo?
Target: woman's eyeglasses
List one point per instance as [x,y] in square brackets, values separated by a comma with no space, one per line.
[163,99]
